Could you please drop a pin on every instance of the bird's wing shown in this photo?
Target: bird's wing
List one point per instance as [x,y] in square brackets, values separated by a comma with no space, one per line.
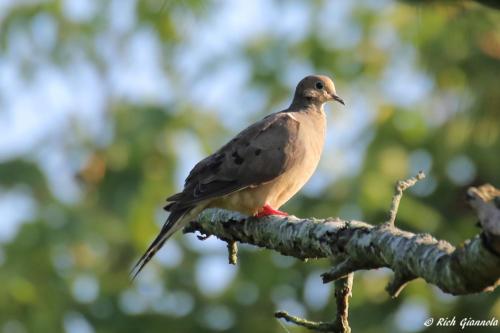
[257,155]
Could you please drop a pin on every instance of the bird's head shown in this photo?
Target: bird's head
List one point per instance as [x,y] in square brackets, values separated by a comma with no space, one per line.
[316,89]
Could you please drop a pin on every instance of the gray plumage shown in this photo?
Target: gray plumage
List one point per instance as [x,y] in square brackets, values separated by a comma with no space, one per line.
[265,164]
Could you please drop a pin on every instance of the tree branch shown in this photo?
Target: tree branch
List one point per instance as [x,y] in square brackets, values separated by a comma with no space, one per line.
[470,268]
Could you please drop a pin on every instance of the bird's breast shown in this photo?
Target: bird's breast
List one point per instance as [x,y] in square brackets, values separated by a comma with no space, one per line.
[309,147]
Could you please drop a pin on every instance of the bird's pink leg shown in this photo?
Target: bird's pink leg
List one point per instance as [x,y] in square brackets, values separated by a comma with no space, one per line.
[268,210]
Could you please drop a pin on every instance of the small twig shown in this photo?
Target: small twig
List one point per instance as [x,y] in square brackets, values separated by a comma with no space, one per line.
[232,249]
[343,288]
[401,186]
[312,325]
[397,284]
[343,268]
[338,271]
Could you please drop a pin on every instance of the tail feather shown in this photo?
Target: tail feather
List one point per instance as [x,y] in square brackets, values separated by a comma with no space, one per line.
[173,223]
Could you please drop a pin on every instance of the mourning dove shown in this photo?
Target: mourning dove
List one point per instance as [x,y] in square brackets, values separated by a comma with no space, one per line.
[260,169]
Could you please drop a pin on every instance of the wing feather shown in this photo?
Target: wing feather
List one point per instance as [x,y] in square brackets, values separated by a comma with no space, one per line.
[256,155]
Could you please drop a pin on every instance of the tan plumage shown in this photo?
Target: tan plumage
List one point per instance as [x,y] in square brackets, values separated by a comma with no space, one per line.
[266,163]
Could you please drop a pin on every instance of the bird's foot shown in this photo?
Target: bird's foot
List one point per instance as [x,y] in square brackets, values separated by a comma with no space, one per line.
[268,210]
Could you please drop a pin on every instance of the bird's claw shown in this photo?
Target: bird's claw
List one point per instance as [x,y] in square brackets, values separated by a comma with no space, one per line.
[268,210]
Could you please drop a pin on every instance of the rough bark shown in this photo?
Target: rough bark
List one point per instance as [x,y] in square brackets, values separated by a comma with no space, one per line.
[469,268]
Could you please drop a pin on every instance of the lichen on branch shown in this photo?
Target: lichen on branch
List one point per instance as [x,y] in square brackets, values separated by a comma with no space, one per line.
[468,268]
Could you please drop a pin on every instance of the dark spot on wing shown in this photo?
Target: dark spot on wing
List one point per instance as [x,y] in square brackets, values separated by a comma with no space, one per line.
[257,152]
[237,158]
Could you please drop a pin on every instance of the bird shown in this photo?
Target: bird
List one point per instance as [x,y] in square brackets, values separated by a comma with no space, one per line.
[258,170]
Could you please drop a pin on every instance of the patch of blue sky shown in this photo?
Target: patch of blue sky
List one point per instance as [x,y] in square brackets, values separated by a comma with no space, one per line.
[136,70]
[16,207]
[213,274]
[411,315]
[121,15]
[402,83]
[316,293]
[79,11]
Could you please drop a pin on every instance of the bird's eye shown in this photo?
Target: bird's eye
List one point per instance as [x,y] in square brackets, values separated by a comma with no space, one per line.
[319,85]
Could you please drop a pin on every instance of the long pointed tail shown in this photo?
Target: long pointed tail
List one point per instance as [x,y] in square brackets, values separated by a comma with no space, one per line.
[175,221]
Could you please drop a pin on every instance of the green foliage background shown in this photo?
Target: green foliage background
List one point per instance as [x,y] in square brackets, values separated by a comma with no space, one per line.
[67,269]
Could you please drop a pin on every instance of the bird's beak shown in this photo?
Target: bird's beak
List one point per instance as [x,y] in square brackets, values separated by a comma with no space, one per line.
[338,99]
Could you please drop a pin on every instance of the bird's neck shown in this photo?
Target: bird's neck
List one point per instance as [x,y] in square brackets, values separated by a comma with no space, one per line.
[302,105]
